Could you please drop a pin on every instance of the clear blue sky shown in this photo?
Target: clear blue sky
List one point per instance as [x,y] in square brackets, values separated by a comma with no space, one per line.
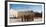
[20,7]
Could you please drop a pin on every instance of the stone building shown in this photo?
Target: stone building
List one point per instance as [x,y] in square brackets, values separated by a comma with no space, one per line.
[23,15]
[26,15]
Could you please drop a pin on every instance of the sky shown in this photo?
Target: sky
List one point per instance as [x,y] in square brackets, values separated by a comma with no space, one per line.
[24,7]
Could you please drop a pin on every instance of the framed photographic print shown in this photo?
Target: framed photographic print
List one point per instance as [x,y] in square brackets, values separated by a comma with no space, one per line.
[21,13]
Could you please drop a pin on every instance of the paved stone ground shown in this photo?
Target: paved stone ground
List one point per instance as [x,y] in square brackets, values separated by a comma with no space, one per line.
[38,19]
[19,20]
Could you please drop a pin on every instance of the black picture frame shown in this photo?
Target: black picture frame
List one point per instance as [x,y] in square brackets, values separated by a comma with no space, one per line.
[24,2]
